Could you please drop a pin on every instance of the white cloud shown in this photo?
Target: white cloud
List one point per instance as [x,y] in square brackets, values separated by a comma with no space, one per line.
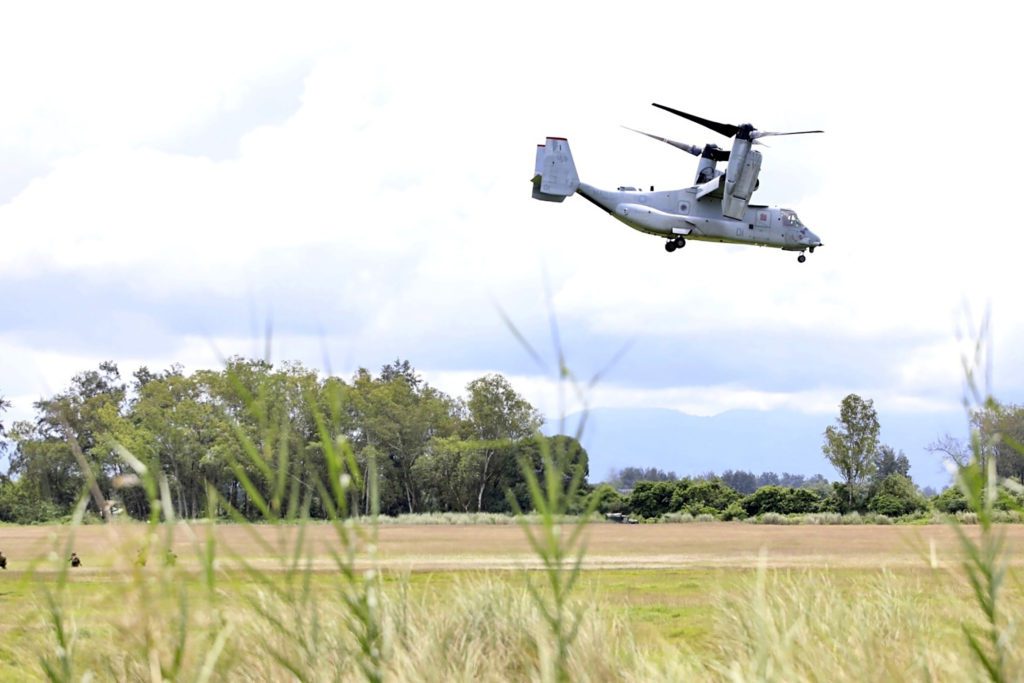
[391,209]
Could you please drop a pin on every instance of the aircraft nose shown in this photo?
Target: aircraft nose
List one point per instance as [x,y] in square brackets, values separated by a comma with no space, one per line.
[812,239]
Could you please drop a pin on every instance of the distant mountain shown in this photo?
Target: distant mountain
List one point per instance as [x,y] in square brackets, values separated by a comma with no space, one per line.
[756,441]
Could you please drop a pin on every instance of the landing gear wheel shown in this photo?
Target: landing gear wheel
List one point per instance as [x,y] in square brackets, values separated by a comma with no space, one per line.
[680,242]
[801,258]
[670,246]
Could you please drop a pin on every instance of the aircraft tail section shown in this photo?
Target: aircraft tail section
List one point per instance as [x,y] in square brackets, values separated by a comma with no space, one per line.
[554,175]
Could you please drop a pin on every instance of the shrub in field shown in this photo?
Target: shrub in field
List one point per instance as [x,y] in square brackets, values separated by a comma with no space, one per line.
[608,499]
[950,501]
[676,518]
[651,499]
[774,518]
[703,497]
[735,511]
[823,518]
[782,500]
[896,496]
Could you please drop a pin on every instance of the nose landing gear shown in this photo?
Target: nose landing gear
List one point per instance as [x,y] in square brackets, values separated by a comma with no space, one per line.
[677,243]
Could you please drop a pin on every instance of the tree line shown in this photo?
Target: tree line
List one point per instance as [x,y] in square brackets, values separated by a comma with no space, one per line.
[874,477]
[742,481]
[223,439]
[232,439]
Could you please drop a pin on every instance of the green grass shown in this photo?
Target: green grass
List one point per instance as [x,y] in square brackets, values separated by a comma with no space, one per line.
[636,624]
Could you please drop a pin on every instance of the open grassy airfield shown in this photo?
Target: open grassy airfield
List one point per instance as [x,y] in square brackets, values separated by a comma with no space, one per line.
[709,601]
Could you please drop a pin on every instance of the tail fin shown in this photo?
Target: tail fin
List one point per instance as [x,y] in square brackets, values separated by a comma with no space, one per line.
[554,176]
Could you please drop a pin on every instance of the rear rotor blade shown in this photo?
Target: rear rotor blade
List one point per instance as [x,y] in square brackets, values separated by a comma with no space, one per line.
[764,133]
[726,129]
[692,149]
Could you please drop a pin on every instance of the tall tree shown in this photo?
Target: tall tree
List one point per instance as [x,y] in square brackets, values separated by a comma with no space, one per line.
[1000,432]
[1002,437]
[498,417]
[398,417]
[889,461]
[4,405]
[850,445]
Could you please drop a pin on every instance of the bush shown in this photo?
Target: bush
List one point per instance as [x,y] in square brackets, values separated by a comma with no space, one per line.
[823,518]
[703,497]
[652,499]
[765,499]
[896,496]
[676,518]
[21,507]
[775,518]
[734,511]
[608,499]
[782,500]
[950,501]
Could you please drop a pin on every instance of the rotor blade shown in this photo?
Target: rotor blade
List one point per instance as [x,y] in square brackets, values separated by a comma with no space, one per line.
[764,133]
[695,151]
[726,129]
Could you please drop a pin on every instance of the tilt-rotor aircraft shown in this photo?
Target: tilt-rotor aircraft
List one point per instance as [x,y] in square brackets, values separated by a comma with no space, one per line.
[716,208]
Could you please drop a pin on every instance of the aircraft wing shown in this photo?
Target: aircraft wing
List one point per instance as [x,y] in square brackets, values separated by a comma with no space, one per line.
[713,185]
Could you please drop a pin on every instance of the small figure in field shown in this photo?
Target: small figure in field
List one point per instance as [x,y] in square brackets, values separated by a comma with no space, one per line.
[171,559]
[75,560]
[3,561]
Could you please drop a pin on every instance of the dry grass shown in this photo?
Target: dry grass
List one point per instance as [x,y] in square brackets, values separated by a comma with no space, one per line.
[714,602]
[423,548]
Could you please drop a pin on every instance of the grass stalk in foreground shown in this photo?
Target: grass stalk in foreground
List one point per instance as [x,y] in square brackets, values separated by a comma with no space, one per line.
[985,563]
[561,554]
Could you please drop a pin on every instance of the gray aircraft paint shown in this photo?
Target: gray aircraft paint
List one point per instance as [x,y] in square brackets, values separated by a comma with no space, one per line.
[715,210]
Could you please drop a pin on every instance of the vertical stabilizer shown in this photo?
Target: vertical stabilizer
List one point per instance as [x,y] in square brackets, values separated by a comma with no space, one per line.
[555,175]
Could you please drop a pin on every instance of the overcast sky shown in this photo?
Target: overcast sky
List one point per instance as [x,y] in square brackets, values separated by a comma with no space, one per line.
[176,178]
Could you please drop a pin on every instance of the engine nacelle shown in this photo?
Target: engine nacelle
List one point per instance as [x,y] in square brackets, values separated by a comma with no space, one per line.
[741,186]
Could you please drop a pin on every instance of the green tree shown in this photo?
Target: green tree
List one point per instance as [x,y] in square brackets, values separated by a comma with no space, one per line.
[888,461]
[65,448]
[397,414]
[703,496]
[897,496]
[498,417]
[569,458]
[652,498]
[608,499]
[448,475]
[951,500]
[1002,431]
[851,444]
[4,406]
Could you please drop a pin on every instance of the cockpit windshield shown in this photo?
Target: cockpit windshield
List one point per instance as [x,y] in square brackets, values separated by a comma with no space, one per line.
[789,218]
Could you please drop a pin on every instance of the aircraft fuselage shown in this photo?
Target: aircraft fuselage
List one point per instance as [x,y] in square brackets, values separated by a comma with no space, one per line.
[679,213]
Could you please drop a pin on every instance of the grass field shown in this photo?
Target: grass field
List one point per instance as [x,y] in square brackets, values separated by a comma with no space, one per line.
[476,547]
[711,601]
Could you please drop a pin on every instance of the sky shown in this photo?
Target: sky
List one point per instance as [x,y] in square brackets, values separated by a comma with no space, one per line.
[180,182]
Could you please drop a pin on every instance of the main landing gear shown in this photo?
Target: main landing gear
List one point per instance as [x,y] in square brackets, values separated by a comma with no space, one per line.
[801,258]
[677,243]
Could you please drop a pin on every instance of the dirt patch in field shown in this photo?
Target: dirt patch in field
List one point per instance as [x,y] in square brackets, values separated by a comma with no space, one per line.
[427,547]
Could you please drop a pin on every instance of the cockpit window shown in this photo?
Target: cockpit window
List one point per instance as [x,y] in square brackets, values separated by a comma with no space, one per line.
[789,218]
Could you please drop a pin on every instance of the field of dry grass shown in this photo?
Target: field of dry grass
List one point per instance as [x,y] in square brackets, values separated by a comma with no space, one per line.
[472,547]
[660,602]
